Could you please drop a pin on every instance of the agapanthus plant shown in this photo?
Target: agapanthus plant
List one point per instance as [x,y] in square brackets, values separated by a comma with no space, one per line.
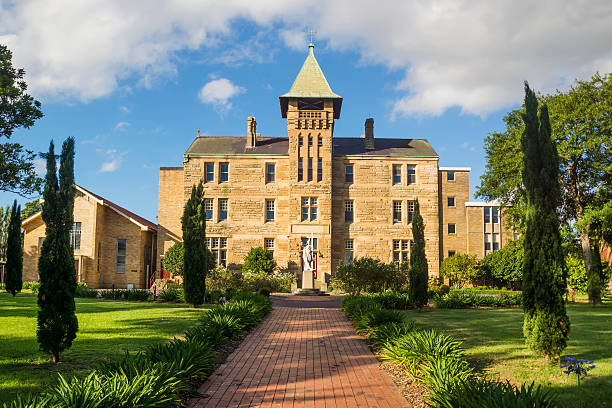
[577,366]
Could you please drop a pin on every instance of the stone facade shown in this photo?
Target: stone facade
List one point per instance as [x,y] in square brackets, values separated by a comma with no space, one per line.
[102,224]
[353,195]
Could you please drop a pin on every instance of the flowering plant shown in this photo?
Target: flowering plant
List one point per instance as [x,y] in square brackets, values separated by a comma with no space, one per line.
[578,366]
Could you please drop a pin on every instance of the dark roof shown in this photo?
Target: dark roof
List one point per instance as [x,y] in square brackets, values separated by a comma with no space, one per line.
[123,211]
[237,145]
[346,146]
[343,146]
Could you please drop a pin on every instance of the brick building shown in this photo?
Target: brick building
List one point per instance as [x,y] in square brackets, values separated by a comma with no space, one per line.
[353,196]
[112,246]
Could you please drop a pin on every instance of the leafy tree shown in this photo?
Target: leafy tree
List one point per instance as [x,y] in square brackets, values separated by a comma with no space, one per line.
[418,274]
[195,266]
[14,253]
[57,321]
[581,125]
[17,109]
[505,266]
[460,268]
[369,275]
[259,259]
[546,325]
[30,208]
[5,220]
[175,256]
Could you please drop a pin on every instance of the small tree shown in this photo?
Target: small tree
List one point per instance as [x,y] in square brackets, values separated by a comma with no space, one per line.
[505,266]
[259,259]
[460,268]
[174,259]
[546,325]
[5,220]
[418,274]
[30,208]
[194,239]
[14,252]
[57,321]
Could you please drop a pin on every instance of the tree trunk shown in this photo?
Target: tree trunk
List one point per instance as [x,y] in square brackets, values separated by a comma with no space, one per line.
[587,253]
[55,357]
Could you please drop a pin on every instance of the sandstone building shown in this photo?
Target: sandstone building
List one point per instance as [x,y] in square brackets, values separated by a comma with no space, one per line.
[353,196]
[113,247]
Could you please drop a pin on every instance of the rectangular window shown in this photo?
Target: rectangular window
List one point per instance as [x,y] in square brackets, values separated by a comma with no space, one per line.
[269,245]
[270,210]
[348,251]
[487,243]
[319,169]
[401,250]
[487,215]
[40,243]
[319,141]
[397,211]
[300,169]
[348,173]
[309,141]
[495,215]
[397,174]
[210,172]
[451,201]
[310,169]
[309,208]
[451,253]
[222,209]
[410,210]
[452,229]
[270,173]
[348,211]
[208,207]
[495,242]
[75,236]
[121,251]
[411,174]
[223,172]
[300,141]
[450,176]
[218,247]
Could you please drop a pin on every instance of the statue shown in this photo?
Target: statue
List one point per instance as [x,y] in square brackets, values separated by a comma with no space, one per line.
[307,257]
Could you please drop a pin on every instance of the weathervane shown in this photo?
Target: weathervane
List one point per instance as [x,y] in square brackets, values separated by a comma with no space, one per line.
[311,33]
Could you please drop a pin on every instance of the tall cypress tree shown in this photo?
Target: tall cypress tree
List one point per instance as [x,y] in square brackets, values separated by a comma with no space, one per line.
[195,266]
[418,273]
[546,325]
[14,252]
[57,321]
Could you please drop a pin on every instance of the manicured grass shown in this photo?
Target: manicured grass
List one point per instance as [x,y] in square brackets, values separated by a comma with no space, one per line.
[494,342]
[106,329]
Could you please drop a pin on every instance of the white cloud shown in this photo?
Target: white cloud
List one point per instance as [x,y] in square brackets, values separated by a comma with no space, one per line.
[451,53]
[114,159]
[120,126]
[40,167]
[218,92]
[124,109]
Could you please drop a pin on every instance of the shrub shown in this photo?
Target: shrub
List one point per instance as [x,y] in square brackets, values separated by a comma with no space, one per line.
[389,332]
[421,347]
[33,286]
[173,259]
[222,279]
[355,306]
[374,318]
[83,291]
[193,359]
[172,294]
[264,292]
[369,275]
[505,266]
[259,260]
[458,300]
[460,268]
[253,281]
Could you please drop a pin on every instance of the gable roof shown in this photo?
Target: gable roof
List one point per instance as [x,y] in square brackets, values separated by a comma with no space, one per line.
[136,219]
[342,146]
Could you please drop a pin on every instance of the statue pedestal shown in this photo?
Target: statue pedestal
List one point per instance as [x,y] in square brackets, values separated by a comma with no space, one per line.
[308,279]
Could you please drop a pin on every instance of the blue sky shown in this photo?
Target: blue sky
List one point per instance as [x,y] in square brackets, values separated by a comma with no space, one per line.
[134,97]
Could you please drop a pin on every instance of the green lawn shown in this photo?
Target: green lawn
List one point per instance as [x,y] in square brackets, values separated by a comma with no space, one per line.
[493,339]
[106,329]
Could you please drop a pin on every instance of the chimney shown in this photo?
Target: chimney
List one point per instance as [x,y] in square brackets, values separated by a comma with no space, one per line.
[369,134]
[251,136]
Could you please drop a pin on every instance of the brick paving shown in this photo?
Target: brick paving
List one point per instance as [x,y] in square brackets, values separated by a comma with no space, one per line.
[304,354]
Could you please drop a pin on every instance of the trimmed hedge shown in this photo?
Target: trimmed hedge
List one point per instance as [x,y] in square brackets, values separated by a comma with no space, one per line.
[162,374]
[457,300]
[127,294]
[437,362]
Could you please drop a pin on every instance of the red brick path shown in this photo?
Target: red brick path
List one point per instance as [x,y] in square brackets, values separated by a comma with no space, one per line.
[304,354]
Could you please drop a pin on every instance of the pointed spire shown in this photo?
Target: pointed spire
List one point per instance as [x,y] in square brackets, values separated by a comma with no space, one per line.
[310,81]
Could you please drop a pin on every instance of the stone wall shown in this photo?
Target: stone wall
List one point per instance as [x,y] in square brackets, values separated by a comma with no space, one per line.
[459,188]
[170,209]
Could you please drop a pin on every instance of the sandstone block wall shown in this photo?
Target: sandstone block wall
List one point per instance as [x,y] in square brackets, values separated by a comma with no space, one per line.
[460,190]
